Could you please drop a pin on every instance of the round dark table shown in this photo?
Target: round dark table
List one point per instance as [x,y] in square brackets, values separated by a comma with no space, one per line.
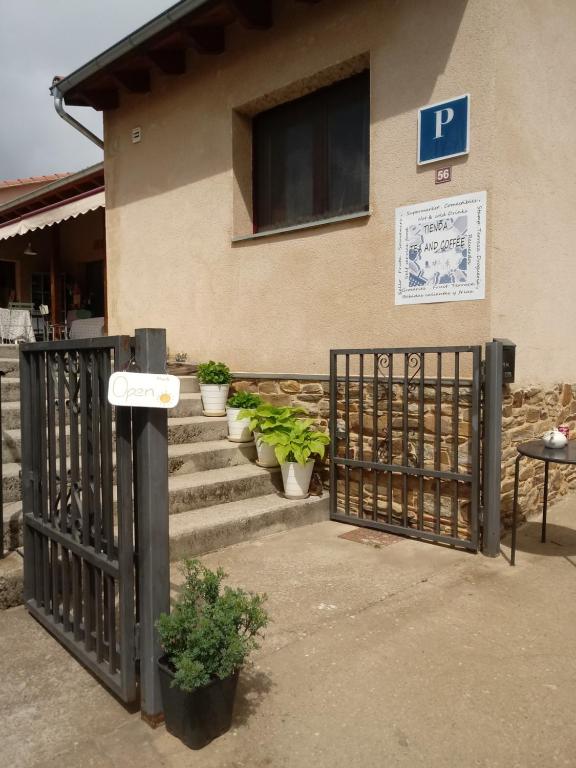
[535,449]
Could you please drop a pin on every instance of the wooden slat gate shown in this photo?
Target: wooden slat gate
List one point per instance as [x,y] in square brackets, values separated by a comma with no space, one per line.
[405,441]
[79,533]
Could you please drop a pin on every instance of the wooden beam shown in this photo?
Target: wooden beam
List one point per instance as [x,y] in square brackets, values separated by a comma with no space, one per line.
[134,80]
[254,14]
[102,99]
[209,40]
[172,61]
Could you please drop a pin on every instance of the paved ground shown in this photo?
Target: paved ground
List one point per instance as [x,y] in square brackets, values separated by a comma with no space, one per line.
[404,655]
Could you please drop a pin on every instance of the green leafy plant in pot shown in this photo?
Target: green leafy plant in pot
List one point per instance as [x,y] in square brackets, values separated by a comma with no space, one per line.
[207,638]
[296,445]
[214,381]
[239,428]
[265,418]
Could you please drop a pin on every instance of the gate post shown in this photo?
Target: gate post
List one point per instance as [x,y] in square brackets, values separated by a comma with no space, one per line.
[493,382]
[151,492]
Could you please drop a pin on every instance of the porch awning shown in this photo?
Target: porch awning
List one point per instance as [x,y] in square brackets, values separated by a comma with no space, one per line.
[53,214]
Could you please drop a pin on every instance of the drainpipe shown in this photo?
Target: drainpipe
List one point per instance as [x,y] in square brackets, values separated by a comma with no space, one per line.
[59,107]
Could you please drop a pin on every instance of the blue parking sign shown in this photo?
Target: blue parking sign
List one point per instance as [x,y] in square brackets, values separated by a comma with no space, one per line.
[444,130]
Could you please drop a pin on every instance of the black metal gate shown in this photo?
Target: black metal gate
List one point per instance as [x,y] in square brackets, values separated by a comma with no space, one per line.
[405,441]
[79,537]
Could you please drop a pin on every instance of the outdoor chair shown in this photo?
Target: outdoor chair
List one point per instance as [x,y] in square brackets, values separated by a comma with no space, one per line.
[87,328]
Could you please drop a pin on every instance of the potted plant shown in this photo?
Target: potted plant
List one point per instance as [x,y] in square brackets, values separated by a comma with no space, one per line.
[264,418]
[296,446]
[239,429]
[206,638]
[214,381]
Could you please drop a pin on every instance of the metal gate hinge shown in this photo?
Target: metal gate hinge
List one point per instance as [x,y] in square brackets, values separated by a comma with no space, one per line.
[481,515]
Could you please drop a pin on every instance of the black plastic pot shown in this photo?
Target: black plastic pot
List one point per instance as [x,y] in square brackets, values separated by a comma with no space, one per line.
[198,717]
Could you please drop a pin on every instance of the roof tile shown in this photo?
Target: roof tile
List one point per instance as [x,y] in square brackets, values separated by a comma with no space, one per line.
[33,180]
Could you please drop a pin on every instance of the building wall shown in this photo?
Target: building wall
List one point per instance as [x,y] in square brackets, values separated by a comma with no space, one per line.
[534,192]
[279,303]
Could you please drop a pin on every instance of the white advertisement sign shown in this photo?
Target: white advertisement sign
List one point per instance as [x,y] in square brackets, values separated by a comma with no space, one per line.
[440,250]
[143,390]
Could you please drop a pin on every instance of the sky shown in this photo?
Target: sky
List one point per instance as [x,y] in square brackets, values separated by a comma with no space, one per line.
[40,39]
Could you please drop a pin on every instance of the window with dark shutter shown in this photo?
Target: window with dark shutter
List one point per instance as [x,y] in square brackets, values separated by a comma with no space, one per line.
[311,156]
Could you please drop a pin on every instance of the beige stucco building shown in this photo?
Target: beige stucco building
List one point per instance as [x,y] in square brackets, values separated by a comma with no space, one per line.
[181,99]
[179,198]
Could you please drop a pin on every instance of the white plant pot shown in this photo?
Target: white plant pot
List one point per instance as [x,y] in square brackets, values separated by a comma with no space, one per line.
[265,452]
[296,478]
[214,398]
[238,429]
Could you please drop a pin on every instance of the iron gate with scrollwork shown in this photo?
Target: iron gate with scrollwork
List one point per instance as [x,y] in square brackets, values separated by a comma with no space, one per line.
[79,533]
[405,441]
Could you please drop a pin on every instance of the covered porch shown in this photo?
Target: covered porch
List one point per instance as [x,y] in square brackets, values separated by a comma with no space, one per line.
[53,254]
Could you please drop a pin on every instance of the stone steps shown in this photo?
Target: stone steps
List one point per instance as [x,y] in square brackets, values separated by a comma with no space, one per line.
[190,404]
[182,459]
[188,429]
[218,496]
[10,389]
[219,486]
[199,531]
[8,351]
[10,366]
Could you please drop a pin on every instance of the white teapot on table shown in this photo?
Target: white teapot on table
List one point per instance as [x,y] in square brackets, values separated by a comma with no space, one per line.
[554,439]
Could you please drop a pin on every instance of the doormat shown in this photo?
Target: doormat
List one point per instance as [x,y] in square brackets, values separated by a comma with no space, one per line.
[371,536]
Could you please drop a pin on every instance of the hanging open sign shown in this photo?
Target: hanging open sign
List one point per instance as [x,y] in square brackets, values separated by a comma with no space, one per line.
[143,390]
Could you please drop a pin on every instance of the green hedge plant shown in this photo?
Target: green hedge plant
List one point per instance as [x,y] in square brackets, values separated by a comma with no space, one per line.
[214,373]
[296,441]
[211,630]
[246,400]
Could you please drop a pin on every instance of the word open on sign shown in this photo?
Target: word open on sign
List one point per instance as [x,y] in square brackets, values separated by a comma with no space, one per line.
[143,390]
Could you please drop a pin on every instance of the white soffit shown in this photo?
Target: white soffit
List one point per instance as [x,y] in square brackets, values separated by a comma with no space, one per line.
[52,215]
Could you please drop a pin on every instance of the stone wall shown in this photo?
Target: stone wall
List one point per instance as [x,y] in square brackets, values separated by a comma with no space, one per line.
[427,504]
[314,396]
[526,414]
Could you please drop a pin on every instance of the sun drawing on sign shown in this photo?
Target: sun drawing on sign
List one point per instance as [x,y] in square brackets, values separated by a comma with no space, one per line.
[165,397]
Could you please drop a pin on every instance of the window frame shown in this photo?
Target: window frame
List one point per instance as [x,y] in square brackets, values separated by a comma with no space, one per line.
[324,98]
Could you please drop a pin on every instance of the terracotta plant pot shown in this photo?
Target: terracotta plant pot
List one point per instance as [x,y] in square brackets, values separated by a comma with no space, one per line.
[214,398]
[296,478]
[198,717]
[238,429]
[265,452]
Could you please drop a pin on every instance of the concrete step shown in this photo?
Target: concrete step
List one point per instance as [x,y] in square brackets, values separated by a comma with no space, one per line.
[10,389]
[182,459]
[189,429]
[189,384]
[188,389]
[12,513]
[11,482]
[213,454]
[10,414]
[190,404]
[198,531]
[194,429]
[8,352]
[10,366]
[219,486]
[187,492]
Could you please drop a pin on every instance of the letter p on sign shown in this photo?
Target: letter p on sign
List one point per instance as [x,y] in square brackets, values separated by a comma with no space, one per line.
[444,130]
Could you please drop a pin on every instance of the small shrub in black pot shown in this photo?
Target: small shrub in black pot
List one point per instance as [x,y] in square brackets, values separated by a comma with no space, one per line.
[206,638]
